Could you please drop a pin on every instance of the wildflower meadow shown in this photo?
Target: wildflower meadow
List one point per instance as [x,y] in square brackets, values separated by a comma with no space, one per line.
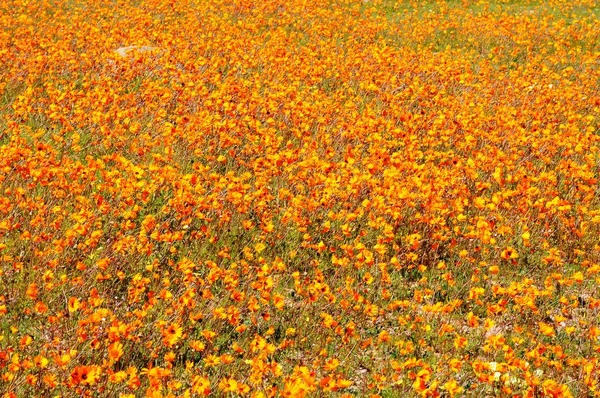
[299,198]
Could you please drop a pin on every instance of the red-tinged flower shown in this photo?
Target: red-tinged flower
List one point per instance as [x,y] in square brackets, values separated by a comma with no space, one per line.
[85,375]
[201,385]
[510,254]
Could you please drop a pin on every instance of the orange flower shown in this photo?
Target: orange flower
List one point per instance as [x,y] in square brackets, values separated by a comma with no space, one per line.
[555,390]
[228,385]
[85,375]
[510,254]
[546,330]
[115,351]
[253,189]
[472,320]
[201,385]
[32,291]
[452,387]
[172,334]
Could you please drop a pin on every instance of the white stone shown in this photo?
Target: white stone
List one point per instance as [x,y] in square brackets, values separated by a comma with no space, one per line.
[124,51]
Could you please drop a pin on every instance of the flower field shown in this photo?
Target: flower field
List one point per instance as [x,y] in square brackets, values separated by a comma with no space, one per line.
[346,198]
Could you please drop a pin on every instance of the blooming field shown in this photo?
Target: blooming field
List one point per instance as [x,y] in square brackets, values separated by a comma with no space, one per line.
[299,198]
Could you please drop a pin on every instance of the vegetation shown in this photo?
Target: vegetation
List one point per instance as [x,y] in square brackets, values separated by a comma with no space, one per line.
[299,198]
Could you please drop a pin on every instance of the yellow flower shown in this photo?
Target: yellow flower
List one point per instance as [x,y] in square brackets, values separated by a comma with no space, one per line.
[452,387]
[228,385]
[200,385]
[115,351]
[73,304]
[546,330]
[172,334]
